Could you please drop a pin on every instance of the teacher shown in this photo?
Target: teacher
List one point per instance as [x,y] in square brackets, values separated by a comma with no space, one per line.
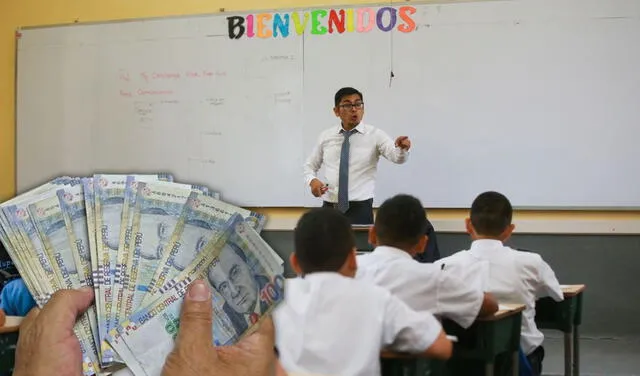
[350,153]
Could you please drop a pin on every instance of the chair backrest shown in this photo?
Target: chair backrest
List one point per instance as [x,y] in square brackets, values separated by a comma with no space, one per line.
[431,252]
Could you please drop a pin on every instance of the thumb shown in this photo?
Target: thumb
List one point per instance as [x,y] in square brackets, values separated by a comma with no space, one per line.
[64,307]
[196,317]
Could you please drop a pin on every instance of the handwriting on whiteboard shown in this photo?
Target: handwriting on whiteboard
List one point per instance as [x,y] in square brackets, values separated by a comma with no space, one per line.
[148,76]
[174,76]
[289,57]
[283,97]
[201,160]
[144,92]
[215,101]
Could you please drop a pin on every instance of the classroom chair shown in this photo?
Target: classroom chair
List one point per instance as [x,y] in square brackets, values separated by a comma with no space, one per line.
[431,252]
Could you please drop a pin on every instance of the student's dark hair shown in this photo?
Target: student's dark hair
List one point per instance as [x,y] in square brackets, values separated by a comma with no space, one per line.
[401,221]
[491,214]
[323,240]
[345,91]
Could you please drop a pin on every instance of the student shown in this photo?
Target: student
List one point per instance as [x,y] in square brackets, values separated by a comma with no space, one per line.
[15,298]
[512,276]
[399,234]
[332,324]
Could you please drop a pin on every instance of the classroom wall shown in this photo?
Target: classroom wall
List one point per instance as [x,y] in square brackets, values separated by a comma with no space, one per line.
[606,263]
[23,13]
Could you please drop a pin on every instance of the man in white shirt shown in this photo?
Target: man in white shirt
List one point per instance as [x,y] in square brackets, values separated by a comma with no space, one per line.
[332,324]
[512,276]
[399,234]
[349,153]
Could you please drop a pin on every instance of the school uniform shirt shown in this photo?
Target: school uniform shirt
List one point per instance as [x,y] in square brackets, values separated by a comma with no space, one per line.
[15,298]
[512,277]
[366,146]
[329,324]
[424,287]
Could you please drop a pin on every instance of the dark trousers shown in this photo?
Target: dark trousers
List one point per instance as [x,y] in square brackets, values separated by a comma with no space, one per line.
[535,363]
[535,360]
[359,212]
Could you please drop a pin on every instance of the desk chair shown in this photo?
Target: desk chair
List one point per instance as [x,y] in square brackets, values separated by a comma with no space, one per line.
[431,252]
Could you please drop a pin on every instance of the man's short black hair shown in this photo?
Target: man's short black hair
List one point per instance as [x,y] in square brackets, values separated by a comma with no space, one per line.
[491,214]
[323,240]
[345,91]
[401,221]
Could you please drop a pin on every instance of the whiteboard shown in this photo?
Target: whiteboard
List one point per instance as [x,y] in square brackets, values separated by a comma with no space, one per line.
[534,98]
[165,95]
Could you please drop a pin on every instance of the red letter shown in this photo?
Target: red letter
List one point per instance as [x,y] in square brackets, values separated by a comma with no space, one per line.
[336,22]
[405,15]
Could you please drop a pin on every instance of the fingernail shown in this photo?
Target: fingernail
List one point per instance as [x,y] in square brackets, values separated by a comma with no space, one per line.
[198,292]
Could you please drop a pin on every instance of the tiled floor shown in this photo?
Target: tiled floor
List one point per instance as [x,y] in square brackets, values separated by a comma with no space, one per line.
[598,356]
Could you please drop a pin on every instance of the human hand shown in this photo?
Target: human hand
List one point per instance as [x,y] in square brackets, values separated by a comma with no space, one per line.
[403,142]
[47,344]
[195,355]
[318,188]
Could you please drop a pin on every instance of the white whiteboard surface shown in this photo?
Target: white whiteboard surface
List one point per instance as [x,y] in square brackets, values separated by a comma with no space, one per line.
[537,99]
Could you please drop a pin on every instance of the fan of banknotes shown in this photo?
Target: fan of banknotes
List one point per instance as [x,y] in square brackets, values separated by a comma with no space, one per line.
[139,240]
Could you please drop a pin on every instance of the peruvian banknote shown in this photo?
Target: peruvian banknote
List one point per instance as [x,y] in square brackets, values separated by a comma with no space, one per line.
[49,222]
[108,194]
[108,203]
[30,250]
[201,217]
[121,277]
[246,283]
[72,204]
[12,214]
[157,208]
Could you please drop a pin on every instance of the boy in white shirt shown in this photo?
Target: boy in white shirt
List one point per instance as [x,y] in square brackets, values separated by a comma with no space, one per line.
[332,324]
[512,276]
[399,234]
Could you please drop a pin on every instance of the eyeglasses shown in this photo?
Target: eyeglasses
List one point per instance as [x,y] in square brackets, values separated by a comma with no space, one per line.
[349,106]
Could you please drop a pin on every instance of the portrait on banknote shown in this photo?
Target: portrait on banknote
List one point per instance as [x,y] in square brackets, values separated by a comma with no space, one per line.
[246,287]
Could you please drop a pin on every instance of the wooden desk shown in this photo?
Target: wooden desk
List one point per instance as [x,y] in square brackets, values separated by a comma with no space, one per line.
[11,324]
[565,316]
[504,310]
[488,337]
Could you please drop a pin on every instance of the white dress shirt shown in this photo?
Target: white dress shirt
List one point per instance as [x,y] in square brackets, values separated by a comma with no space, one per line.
[424,287]
[329,324]
[512,276]
[366,146]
